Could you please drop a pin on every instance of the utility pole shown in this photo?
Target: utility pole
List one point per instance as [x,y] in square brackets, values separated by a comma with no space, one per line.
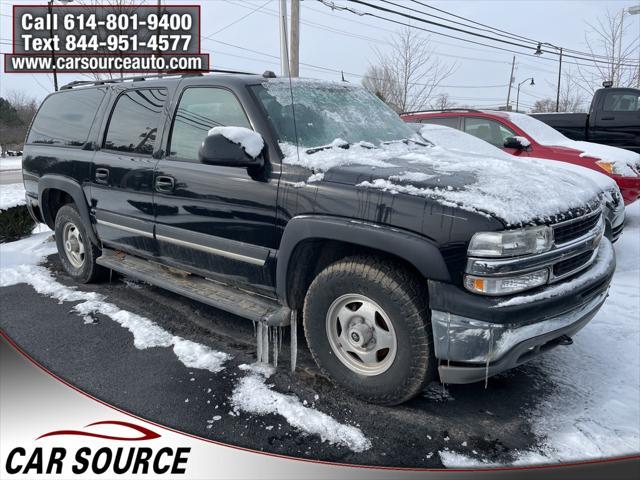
[295,38]
[513,65]
[559,76]
[284,48]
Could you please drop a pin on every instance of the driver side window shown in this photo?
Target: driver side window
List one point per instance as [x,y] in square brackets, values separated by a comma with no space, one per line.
[488,130]
[199,110]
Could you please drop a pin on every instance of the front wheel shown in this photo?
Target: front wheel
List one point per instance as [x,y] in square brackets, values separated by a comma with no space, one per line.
[77,254]
[367,325]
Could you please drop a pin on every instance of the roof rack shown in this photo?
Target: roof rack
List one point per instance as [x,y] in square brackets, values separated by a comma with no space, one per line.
[142,78]
[441,110]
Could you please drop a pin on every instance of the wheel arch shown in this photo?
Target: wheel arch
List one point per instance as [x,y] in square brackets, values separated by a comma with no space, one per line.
[315,241]
[54,192]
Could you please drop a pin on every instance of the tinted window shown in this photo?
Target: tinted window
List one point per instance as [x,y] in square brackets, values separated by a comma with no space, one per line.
[134,121]
[65,118]
[621,102]
[446,121]
[488,130]
[199,110]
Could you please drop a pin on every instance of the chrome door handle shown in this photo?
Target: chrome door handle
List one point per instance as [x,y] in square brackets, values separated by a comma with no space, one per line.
[165,183]
[102,175]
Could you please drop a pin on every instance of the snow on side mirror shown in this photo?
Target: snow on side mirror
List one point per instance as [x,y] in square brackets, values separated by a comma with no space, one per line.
[519,143]
[232,147]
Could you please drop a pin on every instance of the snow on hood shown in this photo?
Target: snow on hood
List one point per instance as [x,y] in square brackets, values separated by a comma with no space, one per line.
[626,162]
[514,190]
[251,141]
[455,140]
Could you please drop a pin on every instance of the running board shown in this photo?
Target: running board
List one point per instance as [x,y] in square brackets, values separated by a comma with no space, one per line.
[224,297]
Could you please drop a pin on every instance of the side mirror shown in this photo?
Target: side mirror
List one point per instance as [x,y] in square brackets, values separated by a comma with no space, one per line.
[232,147]
[519,143]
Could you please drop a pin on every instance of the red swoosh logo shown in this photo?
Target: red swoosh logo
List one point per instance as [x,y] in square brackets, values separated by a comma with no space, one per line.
[146,433]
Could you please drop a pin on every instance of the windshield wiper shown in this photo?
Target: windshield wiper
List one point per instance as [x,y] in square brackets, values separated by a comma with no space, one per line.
[345,145]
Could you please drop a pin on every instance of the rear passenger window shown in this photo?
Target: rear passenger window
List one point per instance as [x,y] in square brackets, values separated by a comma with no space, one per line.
[621,102]
[446,121]
[134,121]
[65,118]
[200,109]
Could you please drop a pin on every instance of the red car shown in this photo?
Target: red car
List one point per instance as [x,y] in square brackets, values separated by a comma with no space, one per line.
[522,135]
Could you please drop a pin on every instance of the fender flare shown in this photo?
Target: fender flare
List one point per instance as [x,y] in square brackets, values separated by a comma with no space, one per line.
[419,251]
[74,189]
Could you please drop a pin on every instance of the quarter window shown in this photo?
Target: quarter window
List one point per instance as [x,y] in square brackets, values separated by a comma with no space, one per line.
[199,110]
[65,118]
[134,122]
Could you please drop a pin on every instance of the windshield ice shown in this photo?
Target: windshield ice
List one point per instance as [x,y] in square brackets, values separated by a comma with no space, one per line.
[327,111]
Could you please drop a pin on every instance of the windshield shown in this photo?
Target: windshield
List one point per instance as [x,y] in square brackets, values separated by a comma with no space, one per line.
[326,111]
[539,131]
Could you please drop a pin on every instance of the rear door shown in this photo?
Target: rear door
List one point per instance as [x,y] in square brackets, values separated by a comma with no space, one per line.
[616,119]
[122,171]
[216,221]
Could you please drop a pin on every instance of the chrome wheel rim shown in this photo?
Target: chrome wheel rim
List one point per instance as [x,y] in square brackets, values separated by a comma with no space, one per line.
[73,244]
[361,334]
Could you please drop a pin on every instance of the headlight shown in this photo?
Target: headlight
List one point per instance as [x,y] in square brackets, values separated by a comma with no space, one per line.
[505,285]
[511,243]
[609,167]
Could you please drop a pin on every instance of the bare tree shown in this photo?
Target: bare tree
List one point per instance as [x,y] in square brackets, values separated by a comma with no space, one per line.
[613,47]
[572,98]
[443,102]
[407,75]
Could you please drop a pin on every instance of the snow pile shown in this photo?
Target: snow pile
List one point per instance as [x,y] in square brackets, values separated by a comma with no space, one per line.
[18,262]
[10,163]
[253,395]
[625,161]
[11,195]
[593,408]
[251,141]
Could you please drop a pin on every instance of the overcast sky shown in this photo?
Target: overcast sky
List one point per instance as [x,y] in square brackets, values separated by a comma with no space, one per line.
[335,41]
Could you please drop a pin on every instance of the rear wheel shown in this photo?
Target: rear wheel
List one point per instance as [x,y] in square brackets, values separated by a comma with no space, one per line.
[367,325]
[77,254]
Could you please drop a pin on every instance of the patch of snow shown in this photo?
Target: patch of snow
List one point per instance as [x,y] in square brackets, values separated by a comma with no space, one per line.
[624,160]
[253,395]
[19,265]
[10,163]
[12,195]
[316,177]
[523,141]
[251,141]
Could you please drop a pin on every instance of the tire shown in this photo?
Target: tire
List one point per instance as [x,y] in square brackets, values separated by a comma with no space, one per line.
[385,306]
[77,254]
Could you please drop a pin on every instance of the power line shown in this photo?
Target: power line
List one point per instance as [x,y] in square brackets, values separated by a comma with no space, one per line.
[413,17]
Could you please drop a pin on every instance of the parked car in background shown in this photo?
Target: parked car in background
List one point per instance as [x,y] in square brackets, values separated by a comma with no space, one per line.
[613,119]
[457,141]
[524,136]
[405,261]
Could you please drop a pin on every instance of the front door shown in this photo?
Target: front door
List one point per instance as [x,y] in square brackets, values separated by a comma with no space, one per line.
[122,172]
[213,220]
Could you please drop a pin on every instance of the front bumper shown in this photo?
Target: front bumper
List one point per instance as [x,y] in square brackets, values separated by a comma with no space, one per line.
[629,188]
[477,336]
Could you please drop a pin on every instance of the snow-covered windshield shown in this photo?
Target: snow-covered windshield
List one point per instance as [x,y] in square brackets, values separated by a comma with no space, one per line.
[539,131]
[326,111]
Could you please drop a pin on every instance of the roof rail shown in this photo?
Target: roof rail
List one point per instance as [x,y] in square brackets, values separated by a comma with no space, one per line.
[141,78]
[441,110]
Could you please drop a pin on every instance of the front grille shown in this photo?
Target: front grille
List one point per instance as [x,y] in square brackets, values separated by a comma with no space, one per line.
[571,264]
[568,231]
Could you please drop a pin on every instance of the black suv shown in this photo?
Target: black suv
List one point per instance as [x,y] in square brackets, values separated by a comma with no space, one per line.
[274,198]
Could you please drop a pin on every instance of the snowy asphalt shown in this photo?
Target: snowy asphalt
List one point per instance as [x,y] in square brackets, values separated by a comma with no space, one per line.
[101,359]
